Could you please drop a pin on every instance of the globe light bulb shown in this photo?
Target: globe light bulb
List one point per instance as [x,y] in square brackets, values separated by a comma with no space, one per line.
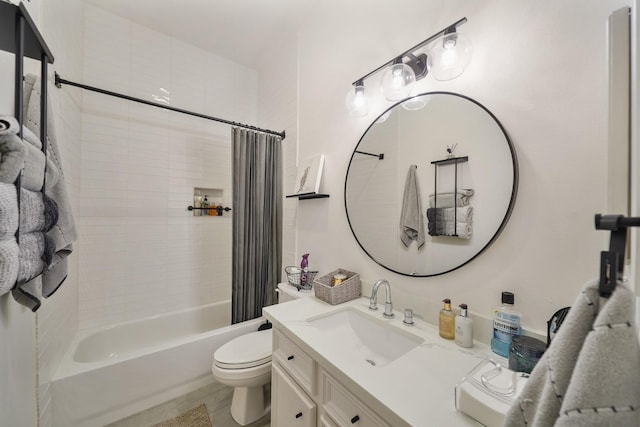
[358,100]
[449,56]
[397,81]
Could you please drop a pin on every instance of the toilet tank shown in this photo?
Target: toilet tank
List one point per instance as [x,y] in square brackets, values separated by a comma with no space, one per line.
[286,292]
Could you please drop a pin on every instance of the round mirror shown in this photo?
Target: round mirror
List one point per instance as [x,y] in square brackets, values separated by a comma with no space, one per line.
[431,184]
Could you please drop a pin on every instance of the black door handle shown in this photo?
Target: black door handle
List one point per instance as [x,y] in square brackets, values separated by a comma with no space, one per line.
[290,357]
[299,414]
[355,419]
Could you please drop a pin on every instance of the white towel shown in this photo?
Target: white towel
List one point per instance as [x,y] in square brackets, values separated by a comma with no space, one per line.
[590,375]
[451,200]
[411,222]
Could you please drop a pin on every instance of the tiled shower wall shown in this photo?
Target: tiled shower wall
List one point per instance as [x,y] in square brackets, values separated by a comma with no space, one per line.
[143,253]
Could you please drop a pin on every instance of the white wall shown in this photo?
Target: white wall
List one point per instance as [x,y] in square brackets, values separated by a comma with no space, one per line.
[142,252]
[32,344]
[541,68]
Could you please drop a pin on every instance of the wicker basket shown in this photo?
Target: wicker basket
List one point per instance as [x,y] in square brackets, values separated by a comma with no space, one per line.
[346,291]
[294,276]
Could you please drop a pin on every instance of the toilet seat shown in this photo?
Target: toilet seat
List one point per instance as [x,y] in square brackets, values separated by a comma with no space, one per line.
[246,351]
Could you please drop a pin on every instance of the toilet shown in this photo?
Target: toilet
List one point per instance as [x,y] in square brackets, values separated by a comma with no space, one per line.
[244,363]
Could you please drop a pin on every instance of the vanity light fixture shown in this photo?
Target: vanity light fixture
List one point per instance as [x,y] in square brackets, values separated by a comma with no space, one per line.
[446,60]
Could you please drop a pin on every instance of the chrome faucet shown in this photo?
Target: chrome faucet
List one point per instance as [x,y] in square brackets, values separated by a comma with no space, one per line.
[373,301]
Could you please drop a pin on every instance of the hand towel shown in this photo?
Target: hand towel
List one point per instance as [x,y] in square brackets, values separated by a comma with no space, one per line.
[411,222]
[589,374]
[464,214]
[451,200]
[12,157]
[64,232]
[38,212]
[464,230]
[8,211]
[9,264]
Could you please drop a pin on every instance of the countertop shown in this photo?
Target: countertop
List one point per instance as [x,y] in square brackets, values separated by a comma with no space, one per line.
[416,389]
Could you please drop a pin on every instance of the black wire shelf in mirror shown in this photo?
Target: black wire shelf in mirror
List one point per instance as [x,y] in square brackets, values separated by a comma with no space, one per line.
[307,196]
[472,204]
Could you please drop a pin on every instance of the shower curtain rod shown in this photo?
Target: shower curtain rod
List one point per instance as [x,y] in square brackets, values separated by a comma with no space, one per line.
[59,81]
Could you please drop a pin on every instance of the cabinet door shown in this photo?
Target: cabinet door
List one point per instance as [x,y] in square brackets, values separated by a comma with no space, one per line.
[290,406]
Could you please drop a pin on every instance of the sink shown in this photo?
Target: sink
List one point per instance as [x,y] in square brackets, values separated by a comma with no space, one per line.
[357,335]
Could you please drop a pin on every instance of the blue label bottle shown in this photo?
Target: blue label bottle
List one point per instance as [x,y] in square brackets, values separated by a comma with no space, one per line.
[506,324]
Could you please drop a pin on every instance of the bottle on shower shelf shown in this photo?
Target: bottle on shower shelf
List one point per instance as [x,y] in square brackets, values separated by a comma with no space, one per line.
[205,205]
[304,268]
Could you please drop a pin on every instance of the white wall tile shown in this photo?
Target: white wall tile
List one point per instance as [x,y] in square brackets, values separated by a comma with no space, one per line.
[145,253]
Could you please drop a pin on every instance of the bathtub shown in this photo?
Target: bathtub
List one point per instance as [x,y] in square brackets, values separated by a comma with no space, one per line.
[117,371]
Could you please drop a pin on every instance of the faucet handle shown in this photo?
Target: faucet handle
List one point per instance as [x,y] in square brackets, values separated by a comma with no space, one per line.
[408,317]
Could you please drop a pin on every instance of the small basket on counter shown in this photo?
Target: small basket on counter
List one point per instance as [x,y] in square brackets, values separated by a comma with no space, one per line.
[296,278]
[349,288]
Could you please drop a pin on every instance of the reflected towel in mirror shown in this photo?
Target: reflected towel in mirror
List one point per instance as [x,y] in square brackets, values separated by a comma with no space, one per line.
[451,200]
[464,214]
[411,221]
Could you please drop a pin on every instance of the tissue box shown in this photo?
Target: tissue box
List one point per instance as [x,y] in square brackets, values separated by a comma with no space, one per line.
[488,391]
[349,289]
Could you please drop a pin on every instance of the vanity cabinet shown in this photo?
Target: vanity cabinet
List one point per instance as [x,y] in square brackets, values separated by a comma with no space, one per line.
[304,394]
[292,407]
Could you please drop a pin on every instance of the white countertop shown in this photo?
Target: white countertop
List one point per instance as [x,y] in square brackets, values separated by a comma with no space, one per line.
[417,388]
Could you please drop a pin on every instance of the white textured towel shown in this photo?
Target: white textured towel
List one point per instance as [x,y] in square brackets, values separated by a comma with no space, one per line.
[411,222]
[590,375]
[450,200]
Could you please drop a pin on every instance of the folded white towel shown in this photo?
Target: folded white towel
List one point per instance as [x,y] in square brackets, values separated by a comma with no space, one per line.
[451,200]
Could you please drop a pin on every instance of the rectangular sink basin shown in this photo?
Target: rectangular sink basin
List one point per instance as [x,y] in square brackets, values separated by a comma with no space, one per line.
[364,337]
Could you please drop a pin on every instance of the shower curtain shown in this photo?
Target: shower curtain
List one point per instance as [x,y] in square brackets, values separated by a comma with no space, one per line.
[257,222]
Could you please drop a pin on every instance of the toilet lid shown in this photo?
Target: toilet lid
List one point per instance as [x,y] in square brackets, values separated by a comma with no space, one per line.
[245,351]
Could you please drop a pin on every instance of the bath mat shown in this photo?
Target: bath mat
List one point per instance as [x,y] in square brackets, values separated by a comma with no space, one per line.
[196,417]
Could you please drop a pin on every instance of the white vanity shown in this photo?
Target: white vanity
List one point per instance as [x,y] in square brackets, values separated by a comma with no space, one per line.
[345,365]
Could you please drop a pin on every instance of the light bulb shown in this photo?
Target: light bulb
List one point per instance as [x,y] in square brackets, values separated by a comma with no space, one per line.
[449,56]
[358,101]
[397,81]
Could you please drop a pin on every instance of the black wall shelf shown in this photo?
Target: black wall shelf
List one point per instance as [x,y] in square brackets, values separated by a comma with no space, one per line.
[308,196]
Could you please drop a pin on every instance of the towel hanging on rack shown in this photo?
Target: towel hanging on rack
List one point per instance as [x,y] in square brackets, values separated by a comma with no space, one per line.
[411,222]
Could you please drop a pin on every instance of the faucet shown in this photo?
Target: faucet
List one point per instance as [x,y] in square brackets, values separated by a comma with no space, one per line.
[373,301]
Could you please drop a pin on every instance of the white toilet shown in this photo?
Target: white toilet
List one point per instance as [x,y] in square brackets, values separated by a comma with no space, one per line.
[245,364]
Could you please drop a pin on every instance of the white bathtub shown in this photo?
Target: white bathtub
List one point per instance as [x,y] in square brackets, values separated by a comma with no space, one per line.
[114,372]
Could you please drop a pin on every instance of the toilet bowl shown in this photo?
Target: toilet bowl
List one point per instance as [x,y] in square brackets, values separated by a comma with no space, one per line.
[245,364]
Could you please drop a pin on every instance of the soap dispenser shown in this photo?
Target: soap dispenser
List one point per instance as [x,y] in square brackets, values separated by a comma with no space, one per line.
[446,320]
[464,328]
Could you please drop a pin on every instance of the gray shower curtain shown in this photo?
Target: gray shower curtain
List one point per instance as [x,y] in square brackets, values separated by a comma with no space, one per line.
[257,222]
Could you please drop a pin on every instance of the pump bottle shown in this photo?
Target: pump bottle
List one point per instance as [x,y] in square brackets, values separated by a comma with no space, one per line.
[446,320]
[464,328]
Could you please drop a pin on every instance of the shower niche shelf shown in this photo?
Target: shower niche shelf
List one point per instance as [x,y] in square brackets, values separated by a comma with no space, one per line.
[215,198]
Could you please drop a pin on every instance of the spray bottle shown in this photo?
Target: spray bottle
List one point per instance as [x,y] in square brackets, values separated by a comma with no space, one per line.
[304,267]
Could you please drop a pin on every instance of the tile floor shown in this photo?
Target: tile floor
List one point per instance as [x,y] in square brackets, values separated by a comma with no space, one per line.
[216,396]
